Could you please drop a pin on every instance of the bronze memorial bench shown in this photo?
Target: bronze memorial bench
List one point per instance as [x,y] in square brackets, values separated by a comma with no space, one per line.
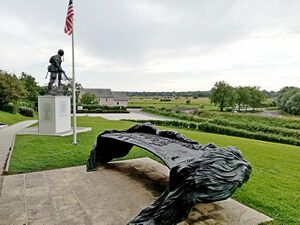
[198,173]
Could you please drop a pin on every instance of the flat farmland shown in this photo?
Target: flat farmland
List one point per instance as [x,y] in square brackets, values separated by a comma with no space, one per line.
[181,102]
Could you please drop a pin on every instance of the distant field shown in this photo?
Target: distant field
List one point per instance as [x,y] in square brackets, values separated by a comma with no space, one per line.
[181,102]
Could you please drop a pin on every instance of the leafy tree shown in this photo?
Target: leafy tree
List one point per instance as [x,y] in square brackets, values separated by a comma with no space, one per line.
[31,86]
[88,99]
[11,88]
[242,97]
[68,89]
[43,90]
[223,95]
[270,94]
[293,104]
[284,95]
[256,97]
[78,88]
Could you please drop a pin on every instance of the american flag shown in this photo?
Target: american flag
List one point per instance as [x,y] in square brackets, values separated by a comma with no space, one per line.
[69,19]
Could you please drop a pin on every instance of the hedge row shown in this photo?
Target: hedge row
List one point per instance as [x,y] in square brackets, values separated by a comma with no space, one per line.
[257,127]
[10,108]
[102,107]
[13,109]
[177,115]
[246,118]
[25,111]
[102,111]
[218,129]
[247,126]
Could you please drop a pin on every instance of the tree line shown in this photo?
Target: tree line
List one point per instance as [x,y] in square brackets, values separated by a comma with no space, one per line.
[13,89]
[288,99]
[20,93]
[241,97]
[168,93]
[244,97]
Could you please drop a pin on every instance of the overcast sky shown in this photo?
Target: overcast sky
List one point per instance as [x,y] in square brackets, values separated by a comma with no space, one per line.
[151,45]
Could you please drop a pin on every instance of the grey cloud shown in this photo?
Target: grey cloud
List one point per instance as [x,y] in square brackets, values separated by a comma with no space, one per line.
[112,29]
[133,31]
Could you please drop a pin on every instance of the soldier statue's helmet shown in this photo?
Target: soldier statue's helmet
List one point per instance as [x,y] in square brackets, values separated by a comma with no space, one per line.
[61,52]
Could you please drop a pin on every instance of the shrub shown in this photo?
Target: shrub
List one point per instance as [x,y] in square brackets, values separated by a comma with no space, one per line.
[24,104]
[90,107]
[82,111]
[10,108]
[293,104]
[97,107]
[270,121]
[255,127]
[100,110]
[165,100]
[25,111]
[213,128]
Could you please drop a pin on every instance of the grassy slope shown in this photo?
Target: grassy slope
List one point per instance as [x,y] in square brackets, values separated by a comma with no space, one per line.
[274,187]
[9,118]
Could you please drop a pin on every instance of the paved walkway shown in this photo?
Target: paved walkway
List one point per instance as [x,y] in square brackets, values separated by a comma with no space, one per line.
[7,136]
[35,131]
[134,114]
[113,195]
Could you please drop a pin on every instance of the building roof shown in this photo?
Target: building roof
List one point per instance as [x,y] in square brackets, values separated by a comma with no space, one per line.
[100,93]
[119,96]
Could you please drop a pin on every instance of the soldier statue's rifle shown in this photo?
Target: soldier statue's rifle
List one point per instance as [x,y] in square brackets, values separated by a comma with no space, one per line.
[64,73]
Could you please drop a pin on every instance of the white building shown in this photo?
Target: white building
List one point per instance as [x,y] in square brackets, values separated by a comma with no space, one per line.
[107,97]
[120,98]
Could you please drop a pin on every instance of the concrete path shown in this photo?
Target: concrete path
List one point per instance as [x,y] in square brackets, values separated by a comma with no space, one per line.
[134,114]
[35,131]
[113,195]
[7,136]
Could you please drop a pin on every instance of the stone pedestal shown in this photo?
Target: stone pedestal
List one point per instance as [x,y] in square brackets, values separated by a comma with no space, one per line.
[54,114]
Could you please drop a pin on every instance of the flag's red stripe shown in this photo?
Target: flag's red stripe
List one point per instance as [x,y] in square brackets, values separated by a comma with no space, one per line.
[69,19]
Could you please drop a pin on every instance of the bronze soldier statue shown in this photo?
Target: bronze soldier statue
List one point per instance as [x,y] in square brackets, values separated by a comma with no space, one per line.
[55,69]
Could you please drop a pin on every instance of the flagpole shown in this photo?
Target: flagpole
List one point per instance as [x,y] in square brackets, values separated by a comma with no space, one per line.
[74,93]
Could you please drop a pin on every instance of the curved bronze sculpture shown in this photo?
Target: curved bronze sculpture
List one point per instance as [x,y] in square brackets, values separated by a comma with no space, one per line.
[198,173]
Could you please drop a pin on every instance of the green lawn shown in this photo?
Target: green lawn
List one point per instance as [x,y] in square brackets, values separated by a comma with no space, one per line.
[9,118]
[59,152]
[274,187]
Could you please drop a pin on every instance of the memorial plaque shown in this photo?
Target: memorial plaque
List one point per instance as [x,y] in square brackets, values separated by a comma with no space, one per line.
[46,111]
[62,108]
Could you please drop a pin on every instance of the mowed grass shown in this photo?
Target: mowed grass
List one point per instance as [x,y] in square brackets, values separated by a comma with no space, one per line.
[273,189]
[143,102]
[10,119]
